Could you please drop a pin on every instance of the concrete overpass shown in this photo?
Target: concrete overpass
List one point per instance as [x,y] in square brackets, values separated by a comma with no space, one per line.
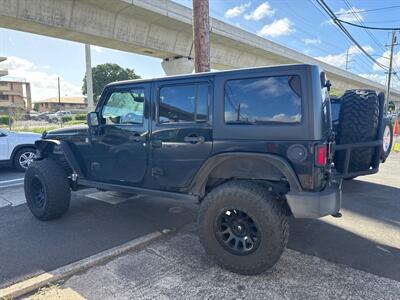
[159,28]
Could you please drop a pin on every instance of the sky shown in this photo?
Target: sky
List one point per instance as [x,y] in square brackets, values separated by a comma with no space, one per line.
[297,24]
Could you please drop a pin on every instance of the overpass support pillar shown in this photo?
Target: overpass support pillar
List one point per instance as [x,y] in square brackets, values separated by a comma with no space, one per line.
[177,65]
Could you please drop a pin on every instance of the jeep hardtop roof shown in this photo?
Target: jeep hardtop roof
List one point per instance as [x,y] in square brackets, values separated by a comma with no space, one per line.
[212,73]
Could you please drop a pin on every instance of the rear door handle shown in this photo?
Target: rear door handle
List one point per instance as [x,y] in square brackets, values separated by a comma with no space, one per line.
[194,139]
[137,137]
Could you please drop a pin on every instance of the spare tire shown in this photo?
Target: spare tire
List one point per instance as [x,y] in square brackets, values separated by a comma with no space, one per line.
[358,122]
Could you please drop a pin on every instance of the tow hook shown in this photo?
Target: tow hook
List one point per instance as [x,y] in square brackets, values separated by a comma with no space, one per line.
[337,215]
[74,181]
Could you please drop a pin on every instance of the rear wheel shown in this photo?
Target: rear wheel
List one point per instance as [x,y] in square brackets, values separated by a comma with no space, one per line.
[243,227]
[47,189]
[358,122]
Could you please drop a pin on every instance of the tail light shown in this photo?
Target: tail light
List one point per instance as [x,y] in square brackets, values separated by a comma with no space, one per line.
[321,155]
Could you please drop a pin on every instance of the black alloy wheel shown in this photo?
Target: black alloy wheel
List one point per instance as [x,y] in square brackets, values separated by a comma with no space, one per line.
[38,194]
[237,232]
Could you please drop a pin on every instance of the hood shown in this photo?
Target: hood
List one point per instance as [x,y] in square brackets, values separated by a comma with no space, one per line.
[67,131]
[21,134]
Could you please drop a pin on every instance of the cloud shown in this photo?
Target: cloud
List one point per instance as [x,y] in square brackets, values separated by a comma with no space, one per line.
[381,78]
[384,60]
[339,60]
[353,50]
[43,84]
[277,28]
[350,15]
[263,10]
[236,11]
[312,41]
[97,49]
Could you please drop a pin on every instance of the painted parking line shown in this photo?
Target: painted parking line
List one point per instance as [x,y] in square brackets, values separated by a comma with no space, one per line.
[112,197]
[11,182]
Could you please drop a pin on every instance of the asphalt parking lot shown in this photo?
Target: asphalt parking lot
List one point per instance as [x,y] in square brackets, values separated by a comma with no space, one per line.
[30,247]
[356,256]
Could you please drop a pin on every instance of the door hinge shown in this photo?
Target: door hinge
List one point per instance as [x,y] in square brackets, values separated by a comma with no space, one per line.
[157,172]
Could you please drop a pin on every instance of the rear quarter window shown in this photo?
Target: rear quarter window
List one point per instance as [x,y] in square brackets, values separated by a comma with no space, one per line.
[265,100]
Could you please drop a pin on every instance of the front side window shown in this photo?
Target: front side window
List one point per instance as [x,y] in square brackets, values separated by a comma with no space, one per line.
[124,107]
[263,100]
[183,103]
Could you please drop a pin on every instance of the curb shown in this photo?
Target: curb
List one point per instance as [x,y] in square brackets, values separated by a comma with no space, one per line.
[26,286]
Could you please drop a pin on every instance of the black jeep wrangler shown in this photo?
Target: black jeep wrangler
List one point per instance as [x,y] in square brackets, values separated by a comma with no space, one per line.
[251,146]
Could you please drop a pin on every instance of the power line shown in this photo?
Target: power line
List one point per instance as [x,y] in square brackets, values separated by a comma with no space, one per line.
[324,14]
[370,10]
[332,15]
[367,27]
[374,39]
[383,22]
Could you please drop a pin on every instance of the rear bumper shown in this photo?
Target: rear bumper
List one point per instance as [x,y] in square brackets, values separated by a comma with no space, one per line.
[316,204]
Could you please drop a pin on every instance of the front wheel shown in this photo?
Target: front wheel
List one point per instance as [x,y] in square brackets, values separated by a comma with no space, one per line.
[47,189]
[23,158]
[243,227]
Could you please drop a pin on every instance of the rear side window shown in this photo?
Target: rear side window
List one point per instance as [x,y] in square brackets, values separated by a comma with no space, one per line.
[183,103]
[263,100]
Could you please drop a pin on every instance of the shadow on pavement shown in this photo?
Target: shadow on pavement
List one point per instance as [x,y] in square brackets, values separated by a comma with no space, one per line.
[29,247]
[376,202]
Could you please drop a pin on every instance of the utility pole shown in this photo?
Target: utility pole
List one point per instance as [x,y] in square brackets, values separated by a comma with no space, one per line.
[347,58]
[89,79]
[59,93]
[59,101]
[201,36]
[390,72]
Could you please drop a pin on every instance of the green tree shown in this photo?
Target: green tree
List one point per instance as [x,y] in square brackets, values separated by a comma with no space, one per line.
[104,74]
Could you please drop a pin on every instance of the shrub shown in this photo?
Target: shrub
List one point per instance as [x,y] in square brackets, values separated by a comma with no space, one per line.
[4,120]
[66,119]
[80,117]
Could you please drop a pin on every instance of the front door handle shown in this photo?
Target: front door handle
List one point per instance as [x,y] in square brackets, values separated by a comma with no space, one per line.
[156,143]
[194,139]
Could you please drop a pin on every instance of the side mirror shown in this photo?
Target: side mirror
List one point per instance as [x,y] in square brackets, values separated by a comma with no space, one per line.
[92,119]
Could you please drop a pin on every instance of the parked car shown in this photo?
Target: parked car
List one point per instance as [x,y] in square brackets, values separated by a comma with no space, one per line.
[42,116]
[57,116]
[34,115]
[251,146]
[17,149]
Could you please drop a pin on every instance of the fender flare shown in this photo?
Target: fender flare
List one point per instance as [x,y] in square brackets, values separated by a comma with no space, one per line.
[198,183]
[47,146]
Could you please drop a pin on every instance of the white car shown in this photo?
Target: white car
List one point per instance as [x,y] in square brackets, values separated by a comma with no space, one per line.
[17,149]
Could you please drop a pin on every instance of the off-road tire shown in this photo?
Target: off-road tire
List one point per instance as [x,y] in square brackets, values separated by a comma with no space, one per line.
[56,189]
[385,154]
[268,214]
[358,122]
[18,154]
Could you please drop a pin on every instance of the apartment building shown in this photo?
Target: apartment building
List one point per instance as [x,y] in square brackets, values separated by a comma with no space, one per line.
[73,104]
[15,95]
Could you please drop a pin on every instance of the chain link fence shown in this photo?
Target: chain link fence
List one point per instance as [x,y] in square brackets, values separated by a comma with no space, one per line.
[18,120]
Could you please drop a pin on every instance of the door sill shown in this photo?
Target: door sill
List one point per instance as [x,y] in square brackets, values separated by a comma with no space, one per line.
[138,190]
